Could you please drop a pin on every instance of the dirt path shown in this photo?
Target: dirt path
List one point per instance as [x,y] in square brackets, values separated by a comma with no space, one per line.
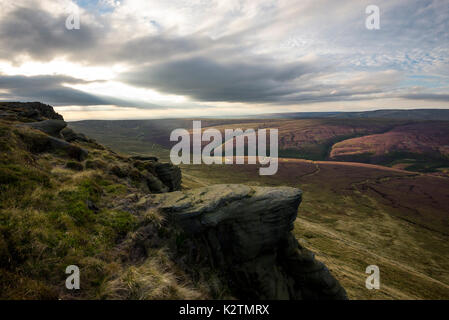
[200,182]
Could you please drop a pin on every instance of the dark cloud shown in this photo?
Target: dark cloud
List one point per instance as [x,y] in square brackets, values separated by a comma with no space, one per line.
[51,89]
[153,48]
[42,36]
[427,96]
[46,88]
[208,80]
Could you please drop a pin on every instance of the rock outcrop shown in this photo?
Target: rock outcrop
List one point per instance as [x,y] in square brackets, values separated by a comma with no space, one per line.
[70,136]
[28,111]
[169,174]
[156,176]
[246,232]
[40,142]
[50,132]
[52,127]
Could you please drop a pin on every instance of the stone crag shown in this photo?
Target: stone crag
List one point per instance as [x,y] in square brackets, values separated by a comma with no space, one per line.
[245,232]
[27,111]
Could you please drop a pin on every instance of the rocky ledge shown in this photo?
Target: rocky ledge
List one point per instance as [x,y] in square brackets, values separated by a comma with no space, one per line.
[27,111]
[246,232]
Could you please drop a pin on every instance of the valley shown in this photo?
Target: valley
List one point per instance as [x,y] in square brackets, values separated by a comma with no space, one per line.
[417,146]
[352,215]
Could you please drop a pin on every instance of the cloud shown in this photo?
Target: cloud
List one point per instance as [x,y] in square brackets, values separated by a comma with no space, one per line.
[260,80]
[46,88]
[42,36]
[54,90]
[205,79]
[428,96]
[274,53]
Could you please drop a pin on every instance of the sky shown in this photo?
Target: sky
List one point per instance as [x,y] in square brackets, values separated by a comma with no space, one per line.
[137,59]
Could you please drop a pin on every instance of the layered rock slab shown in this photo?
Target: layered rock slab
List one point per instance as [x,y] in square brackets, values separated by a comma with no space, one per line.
[246,232]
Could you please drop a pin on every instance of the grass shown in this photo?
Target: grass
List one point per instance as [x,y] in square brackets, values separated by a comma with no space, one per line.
[152,280]
[350,228]
[46,223]
[52,231]
[416,162]
[55,212]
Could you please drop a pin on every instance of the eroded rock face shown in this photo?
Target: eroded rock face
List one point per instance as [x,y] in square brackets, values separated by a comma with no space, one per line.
[169,174]
[70,136]
[158,177]
[245,231]
[39,142]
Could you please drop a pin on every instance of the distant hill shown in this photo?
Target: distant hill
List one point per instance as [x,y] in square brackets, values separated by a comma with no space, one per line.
[420,146]
[414,114]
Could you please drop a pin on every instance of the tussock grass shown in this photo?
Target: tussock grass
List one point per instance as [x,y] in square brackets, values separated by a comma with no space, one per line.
[154,279]
[52,216]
